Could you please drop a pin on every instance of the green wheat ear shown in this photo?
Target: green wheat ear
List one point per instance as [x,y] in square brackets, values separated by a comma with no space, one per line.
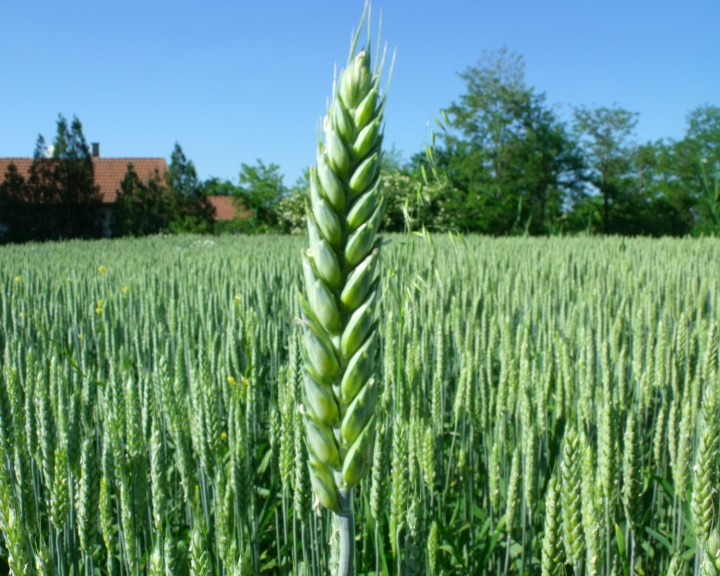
[339,268]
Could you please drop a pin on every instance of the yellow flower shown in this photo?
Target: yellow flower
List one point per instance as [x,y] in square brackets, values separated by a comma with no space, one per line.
[126,289]
[231,381]
[102,269]
[17,278]
[237,298]
[223,436]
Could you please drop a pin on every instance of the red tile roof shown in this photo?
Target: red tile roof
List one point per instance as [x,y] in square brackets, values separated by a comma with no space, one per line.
[109,172]
[225,208]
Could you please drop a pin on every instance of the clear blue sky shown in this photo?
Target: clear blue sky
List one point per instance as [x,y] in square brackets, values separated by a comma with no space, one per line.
[234,81]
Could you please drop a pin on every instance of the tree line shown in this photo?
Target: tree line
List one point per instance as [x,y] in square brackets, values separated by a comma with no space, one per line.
[508,163]
[503,162]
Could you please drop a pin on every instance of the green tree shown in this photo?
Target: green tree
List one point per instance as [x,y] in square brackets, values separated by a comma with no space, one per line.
[143,208]
[260,190]
[697,165]
[192,210]
[78,198]
[508,154]
[182,175]
[604,134]
[652,207]
[217,187]
[59,198]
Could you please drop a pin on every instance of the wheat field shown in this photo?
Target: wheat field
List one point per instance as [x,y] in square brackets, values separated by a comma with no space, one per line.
[546,406]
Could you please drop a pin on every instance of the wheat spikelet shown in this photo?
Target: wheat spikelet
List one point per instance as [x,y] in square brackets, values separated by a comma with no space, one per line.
[590,516]
[43,560]
[632,479]
[86,499]
[301,483]
[156,566]
[433,543]
[399,481]
[105,500]
[414,545]
[494,476]
[169,551]
[200,564]
[676,566]
[60,491]
[15,539]
[512,498]
[379,475]
[552,547]
[709,552]
[340,334]
[703,502]
[681,466]
[571,505]
[158,475]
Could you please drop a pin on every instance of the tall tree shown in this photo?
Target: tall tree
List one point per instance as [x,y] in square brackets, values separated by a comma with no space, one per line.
[507,152]
[59,198]
[143,208]
[193,211]
[697,166]
[79,196]
[182,175]
[605,136]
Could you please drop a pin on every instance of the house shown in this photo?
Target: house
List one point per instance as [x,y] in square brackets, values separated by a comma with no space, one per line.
[225,208]
[108,172]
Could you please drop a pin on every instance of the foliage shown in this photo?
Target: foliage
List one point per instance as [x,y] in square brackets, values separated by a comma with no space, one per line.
[260,189]
[171,203]
[604,133]
[182,176]
[192,212]
[143,208]
[507,153]
[59,198]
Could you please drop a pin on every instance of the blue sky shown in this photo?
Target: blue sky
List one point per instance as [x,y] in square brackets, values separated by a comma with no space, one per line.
[234,81]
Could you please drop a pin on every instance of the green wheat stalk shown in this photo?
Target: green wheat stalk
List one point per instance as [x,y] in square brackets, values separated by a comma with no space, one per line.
[340,333]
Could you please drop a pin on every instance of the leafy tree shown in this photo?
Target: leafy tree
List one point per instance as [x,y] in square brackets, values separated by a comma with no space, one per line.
[653,208]
[216,187]
[604,134]
[696,165]
[507,152]
[260,190]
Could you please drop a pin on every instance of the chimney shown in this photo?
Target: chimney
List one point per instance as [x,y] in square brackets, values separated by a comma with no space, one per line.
[96,149]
